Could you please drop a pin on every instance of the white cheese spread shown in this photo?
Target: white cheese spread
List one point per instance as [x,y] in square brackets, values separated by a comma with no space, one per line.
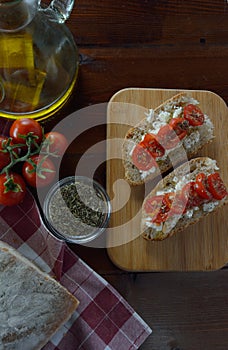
[210,206]
[192,139]
[144,174]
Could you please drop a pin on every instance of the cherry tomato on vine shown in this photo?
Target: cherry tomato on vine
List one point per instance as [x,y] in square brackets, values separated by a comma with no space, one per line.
[193,115]
[216,186]
[4,153]
[12,189]
[38,171]
[23,127]
[180,126]
[201,186]
[142,158]
[57,142]
[151,144]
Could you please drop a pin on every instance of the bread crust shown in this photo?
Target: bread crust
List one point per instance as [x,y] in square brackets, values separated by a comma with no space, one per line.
[40,304]
[174,157]
[186,170]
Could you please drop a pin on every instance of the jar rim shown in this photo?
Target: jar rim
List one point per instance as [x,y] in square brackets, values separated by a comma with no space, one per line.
[97,231]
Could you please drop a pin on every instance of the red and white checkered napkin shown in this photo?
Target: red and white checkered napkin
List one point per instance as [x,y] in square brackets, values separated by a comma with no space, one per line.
[103,319]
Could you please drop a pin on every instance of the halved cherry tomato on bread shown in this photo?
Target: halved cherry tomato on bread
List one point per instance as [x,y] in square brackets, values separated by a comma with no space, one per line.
[216,186]
[142,158]
[167,137]
[153,146]
[193,115]
[153,204]
[190,196]
[201,186]
[178,203]
[180,126]
[158,208]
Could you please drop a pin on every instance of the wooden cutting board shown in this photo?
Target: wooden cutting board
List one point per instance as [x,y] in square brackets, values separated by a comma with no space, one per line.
[203,246]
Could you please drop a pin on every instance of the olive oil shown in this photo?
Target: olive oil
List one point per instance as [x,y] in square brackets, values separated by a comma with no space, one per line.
[21,83]
[38,62]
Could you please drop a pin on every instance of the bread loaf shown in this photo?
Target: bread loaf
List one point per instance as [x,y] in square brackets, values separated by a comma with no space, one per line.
[33,306]
[182,208]
[197,137]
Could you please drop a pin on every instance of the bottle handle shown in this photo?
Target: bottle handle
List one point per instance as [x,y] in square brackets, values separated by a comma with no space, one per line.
[58,10]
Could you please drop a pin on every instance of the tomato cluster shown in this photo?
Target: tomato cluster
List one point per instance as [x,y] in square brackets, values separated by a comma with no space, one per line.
[28,145]
[153,146]
[195,193]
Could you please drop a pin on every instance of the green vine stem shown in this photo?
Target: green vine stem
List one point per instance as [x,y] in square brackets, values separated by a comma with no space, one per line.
[32,149]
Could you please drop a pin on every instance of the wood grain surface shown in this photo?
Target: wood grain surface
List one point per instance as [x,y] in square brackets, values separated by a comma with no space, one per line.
[160,44]
[203,246]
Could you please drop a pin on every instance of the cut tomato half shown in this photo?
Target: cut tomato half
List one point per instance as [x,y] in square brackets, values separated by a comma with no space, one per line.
[216,186]
[142,158]
[201,186]
[180,126]
[190,195]
[167,137]
[151,143]
[158,208]
[178,204]
[193,115]
[153,204]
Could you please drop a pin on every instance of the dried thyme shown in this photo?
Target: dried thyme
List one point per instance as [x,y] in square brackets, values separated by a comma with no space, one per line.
[77,209]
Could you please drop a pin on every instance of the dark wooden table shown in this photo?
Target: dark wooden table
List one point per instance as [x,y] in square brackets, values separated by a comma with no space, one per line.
[154,44]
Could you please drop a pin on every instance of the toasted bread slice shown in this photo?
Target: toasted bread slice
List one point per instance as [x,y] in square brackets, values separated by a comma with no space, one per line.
[33,306]
[189,146]
[173,183]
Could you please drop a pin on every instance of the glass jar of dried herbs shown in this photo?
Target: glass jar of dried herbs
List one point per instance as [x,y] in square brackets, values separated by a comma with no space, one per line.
[77,209]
